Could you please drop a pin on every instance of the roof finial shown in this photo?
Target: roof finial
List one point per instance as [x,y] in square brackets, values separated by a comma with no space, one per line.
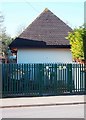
[46,9]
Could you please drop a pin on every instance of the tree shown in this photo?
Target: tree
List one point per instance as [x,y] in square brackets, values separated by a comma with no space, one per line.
[5,39]
[20,29]
[84,43]
[77,42]
[1,29]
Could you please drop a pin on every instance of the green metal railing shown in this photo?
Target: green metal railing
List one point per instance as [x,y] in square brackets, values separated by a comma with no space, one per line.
[42,79]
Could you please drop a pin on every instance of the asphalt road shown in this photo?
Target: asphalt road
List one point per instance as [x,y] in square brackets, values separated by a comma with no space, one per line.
[63,111]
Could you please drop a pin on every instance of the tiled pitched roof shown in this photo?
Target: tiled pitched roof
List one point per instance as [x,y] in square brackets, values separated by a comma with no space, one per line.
[47,28]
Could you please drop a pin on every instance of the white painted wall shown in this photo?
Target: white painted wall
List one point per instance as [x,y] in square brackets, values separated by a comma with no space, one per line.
[44,56]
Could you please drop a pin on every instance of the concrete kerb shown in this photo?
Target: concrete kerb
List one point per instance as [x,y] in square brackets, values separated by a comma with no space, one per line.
[41,101]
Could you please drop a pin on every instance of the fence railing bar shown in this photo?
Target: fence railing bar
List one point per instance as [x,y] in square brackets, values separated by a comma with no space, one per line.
[43,79]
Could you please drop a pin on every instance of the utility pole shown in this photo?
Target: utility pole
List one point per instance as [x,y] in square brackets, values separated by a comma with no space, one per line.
[84,41]
[85,32]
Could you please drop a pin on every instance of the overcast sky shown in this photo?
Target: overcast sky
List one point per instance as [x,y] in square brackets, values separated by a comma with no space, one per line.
[21,13]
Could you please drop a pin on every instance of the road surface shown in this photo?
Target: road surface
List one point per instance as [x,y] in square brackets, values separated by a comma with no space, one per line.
[59,111]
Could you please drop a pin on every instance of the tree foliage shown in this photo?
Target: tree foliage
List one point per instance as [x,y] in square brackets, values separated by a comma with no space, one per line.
[5,39]
[77,38]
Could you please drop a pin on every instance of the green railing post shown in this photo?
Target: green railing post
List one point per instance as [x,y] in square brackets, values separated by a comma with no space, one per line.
[3,76]
[85,77]
[40,79]
[0,80]
[55,80]
[69,77]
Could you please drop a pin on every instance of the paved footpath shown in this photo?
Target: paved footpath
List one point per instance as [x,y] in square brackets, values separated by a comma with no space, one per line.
[42,101]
